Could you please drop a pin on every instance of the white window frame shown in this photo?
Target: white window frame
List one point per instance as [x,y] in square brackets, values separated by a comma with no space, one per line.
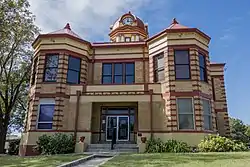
[48,101]
[210,115]
[178,123]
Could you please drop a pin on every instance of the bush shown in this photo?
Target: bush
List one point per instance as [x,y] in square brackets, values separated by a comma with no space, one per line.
[220,144]
[170,146]
[56,144]
[14,147]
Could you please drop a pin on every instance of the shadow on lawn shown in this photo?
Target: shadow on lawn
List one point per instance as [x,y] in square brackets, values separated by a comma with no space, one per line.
[170,159]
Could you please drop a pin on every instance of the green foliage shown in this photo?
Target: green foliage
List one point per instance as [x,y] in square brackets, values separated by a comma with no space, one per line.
[58,143]
[220,144]
[17,32]
[14,147]
[239,131]
[171,146]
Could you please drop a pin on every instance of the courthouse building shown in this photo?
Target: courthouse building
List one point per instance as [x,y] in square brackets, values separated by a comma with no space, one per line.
[162,86]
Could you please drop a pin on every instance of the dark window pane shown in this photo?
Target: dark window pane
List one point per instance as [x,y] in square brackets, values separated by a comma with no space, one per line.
[132,111]
[44,126]
[118,79]
[115,111]
[182,72]
[46,113]
[129,79]
[107,69]
[185,106]
[203,76]
[160,61]
[106,79]
[73,77]
[52,60]
[74,63]
[159,75]
[181,57]
[118,69]
[130,68]
[206,107]
[207,123]
[202,61]
[50,74]
[131,122]
[186,121]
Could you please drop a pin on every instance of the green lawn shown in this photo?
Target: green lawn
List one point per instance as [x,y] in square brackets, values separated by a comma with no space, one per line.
[37,161]
[181,160]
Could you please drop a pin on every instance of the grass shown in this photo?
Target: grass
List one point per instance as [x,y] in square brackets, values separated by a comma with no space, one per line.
[240,159]
[37,161]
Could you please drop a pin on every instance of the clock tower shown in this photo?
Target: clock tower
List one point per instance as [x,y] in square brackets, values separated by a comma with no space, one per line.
[128,28]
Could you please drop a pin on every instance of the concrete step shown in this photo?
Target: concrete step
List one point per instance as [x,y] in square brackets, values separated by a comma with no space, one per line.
[117,148]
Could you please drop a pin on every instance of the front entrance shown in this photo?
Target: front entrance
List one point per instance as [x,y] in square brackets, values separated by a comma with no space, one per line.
[121,124]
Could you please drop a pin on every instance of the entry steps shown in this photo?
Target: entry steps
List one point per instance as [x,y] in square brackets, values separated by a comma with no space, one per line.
[125,148]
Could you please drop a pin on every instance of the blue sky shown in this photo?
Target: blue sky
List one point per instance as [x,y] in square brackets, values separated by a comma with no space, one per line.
[227,22]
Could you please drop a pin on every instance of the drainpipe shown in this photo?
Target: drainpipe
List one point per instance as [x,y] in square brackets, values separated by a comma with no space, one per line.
[151,112]
[78,94]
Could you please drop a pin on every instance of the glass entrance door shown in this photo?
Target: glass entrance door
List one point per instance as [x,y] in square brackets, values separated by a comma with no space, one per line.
[120,124]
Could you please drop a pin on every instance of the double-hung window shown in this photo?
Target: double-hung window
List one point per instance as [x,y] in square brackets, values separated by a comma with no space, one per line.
[159,67]
[182,64]
[185,113]
[202,64]
[51,68]
[74,68]
[46,112]
[118,73]
[207,114]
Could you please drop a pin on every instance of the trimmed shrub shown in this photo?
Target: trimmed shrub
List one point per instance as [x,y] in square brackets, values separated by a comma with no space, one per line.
[56,144]
[170,146]
[14,147]
[220,144]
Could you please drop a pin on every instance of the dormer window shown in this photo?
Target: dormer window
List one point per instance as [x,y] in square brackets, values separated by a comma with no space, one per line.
[127,39]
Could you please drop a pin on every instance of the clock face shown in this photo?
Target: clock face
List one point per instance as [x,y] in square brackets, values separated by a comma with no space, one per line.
[127,21]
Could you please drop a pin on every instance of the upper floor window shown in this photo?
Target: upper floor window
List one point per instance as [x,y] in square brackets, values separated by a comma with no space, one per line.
[74,68]
[185,113]
[202,64]
[34,71]
[159,74]
[127,39]
[182,64]
[207,114]
[51,68]
[46,112]
[118,73]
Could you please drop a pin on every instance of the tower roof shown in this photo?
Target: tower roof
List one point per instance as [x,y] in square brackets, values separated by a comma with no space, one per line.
[176,25]
[66,30]
[137,20]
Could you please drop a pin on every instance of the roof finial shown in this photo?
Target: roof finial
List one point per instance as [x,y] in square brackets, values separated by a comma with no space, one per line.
[129,12]
[67,26]
[175,21]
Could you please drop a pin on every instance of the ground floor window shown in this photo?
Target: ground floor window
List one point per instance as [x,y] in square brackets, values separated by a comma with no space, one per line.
[185,113]
[207,114]
[46,112]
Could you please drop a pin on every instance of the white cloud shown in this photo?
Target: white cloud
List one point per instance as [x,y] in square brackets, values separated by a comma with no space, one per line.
[89,18]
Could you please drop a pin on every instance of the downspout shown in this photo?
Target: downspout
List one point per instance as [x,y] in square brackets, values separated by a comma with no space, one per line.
[151,113]
[78,94]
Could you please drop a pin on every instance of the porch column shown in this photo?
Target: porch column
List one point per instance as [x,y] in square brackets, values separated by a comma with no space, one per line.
[84,121]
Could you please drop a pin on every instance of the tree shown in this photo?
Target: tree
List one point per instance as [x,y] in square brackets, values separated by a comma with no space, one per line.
[17,32]
[238,130]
